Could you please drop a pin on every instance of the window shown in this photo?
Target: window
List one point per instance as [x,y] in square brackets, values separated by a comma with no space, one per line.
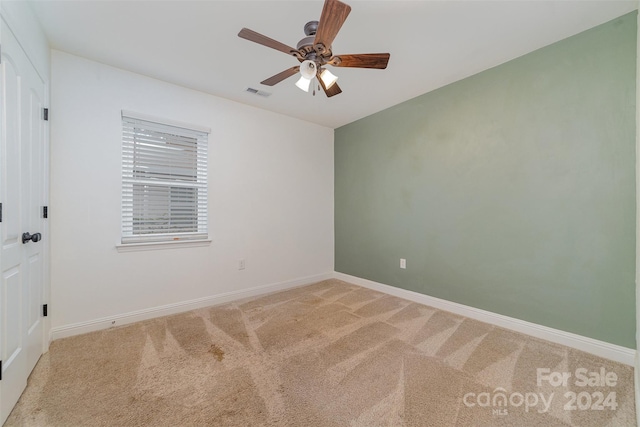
[164,181]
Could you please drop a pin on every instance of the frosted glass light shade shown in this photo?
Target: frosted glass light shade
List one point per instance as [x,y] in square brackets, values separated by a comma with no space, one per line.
[308,69]
[328,78]
[303,83]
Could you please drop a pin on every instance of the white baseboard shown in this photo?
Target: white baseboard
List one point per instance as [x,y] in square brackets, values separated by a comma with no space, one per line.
[579,342]
[165,310]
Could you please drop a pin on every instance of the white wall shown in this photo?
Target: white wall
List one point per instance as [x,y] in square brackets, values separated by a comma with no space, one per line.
[270,197]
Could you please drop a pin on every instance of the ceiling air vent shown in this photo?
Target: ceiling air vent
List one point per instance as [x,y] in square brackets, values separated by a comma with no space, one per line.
[258,92]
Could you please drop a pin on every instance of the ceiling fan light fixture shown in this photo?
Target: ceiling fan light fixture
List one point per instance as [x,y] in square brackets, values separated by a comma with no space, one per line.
[328,78]
[303,83]
[308,69]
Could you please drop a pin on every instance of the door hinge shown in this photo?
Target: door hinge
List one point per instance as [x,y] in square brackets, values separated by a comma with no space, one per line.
[0,370]
[45,212]
[45,310]
[0,212]
[45,114]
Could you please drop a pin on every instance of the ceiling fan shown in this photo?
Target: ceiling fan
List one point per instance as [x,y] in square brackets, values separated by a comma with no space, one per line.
[314,51]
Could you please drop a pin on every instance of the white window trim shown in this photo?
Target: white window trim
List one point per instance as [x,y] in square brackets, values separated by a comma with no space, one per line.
[183,125]
[154,246]
[163,244]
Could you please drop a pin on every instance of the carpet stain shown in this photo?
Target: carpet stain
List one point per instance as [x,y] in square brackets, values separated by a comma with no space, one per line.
[229,320]
[217,352]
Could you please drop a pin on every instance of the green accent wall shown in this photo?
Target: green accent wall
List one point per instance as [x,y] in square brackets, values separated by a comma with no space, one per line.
[512,190]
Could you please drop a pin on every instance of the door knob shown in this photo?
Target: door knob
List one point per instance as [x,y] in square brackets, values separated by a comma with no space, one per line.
[35,237]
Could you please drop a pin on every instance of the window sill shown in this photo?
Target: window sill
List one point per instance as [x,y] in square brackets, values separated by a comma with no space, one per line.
[153,246]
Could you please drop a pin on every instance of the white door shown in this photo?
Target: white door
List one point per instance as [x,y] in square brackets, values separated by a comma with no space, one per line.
[22,194]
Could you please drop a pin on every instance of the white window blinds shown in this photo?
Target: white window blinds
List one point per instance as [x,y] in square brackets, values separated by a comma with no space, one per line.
[164,181]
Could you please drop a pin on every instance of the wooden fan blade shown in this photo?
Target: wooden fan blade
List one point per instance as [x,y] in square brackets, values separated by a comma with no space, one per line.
[251,35]
[273,80]
[333,90]
[334,13]
[363,60]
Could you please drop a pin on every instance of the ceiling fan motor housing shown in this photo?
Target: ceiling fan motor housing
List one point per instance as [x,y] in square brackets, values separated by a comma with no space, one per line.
[305,43]
[308,50]
[310,28]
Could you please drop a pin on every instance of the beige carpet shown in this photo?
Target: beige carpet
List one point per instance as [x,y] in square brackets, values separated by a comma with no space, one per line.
[328,354]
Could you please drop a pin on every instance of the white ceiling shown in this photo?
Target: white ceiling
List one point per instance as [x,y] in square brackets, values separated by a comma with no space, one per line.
[432,43]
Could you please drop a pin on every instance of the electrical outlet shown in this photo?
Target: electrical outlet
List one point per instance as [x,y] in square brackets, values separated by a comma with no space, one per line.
[242,264]
[403,263]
